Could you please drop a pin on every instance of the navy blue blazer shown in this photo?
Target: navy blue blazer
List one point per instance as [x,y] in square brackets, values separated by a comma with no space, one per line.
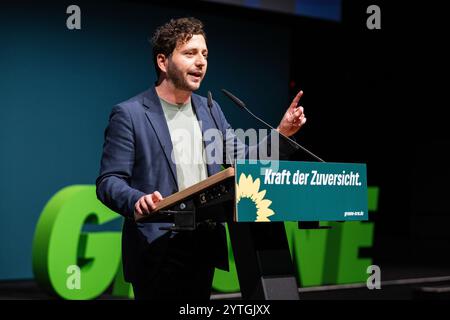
[136,161]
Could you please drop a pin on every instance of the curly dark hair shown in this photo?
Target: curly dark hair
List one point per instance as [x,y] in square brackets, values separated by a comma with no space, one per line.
[168,36]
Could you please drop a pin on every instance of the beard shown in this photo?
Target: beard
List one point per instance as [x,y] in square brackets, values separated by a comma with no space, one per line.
[178,79]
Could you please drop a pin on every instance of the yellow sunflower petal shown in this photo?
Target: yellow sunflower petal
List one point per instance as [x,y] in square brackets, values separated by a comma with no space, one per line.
[261,219]
[255,187]
[260,196]
[266,212]
[263,204]
[244,184]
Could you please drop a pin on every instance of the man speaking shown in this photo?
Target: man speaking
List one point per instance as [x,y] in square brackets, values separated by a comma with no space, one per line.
[144,160]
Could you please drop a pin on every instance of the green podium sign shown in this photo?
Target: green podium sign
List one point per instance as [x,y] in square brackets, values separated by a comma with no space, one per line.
[300,191]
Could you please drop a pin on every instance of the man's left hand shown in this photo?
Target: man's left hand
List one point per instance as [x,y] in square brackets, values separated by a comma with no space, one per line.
[293,119]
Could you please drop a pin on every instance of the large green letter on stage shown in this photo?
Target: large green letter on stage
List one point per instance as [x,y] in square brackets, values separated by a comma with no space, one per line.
[60,245]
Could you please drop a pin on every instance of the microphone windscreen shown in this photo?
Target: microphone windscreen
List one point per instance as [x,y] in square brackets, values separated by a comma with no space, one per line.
[210,99]
[233,98]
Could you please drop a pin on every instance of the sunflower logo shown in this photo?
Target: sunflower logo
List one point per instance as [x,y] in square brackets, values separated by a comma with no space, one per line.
[248,197]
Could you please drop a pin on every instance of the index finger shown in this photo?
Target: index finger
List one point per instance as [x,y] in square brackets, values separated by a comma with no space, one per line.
[149,202]
[157,196]
[296,100]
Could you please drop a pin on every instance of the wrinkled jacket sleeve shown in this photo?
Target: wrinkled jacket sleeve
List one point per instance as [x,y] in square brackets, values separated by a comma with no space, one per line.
[116,168]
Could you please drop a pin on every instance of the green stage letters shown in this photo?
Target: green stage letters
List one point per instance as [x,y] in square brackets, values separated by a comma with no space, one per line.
[60,244]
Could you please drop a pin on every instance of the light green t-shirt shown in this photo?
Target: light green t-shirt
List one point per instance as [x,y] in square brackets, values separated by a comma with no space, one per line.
[188,151]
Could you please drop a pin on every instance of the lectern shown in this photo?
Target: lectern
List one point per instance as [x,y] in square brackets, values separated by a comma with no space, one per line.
[338,192]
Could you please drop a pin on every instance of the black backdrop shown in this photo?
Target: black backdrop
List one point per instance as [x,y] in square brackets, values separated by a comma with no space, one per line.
[379,97]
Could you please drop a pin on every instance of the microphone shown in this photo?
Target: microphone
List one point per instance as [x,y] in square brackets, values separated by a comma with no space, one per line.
[241,104]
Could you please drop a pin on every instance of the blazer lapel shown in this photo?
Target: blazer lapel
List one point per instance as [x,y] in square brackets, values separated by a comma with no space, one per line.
[206,122]
[157,119]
